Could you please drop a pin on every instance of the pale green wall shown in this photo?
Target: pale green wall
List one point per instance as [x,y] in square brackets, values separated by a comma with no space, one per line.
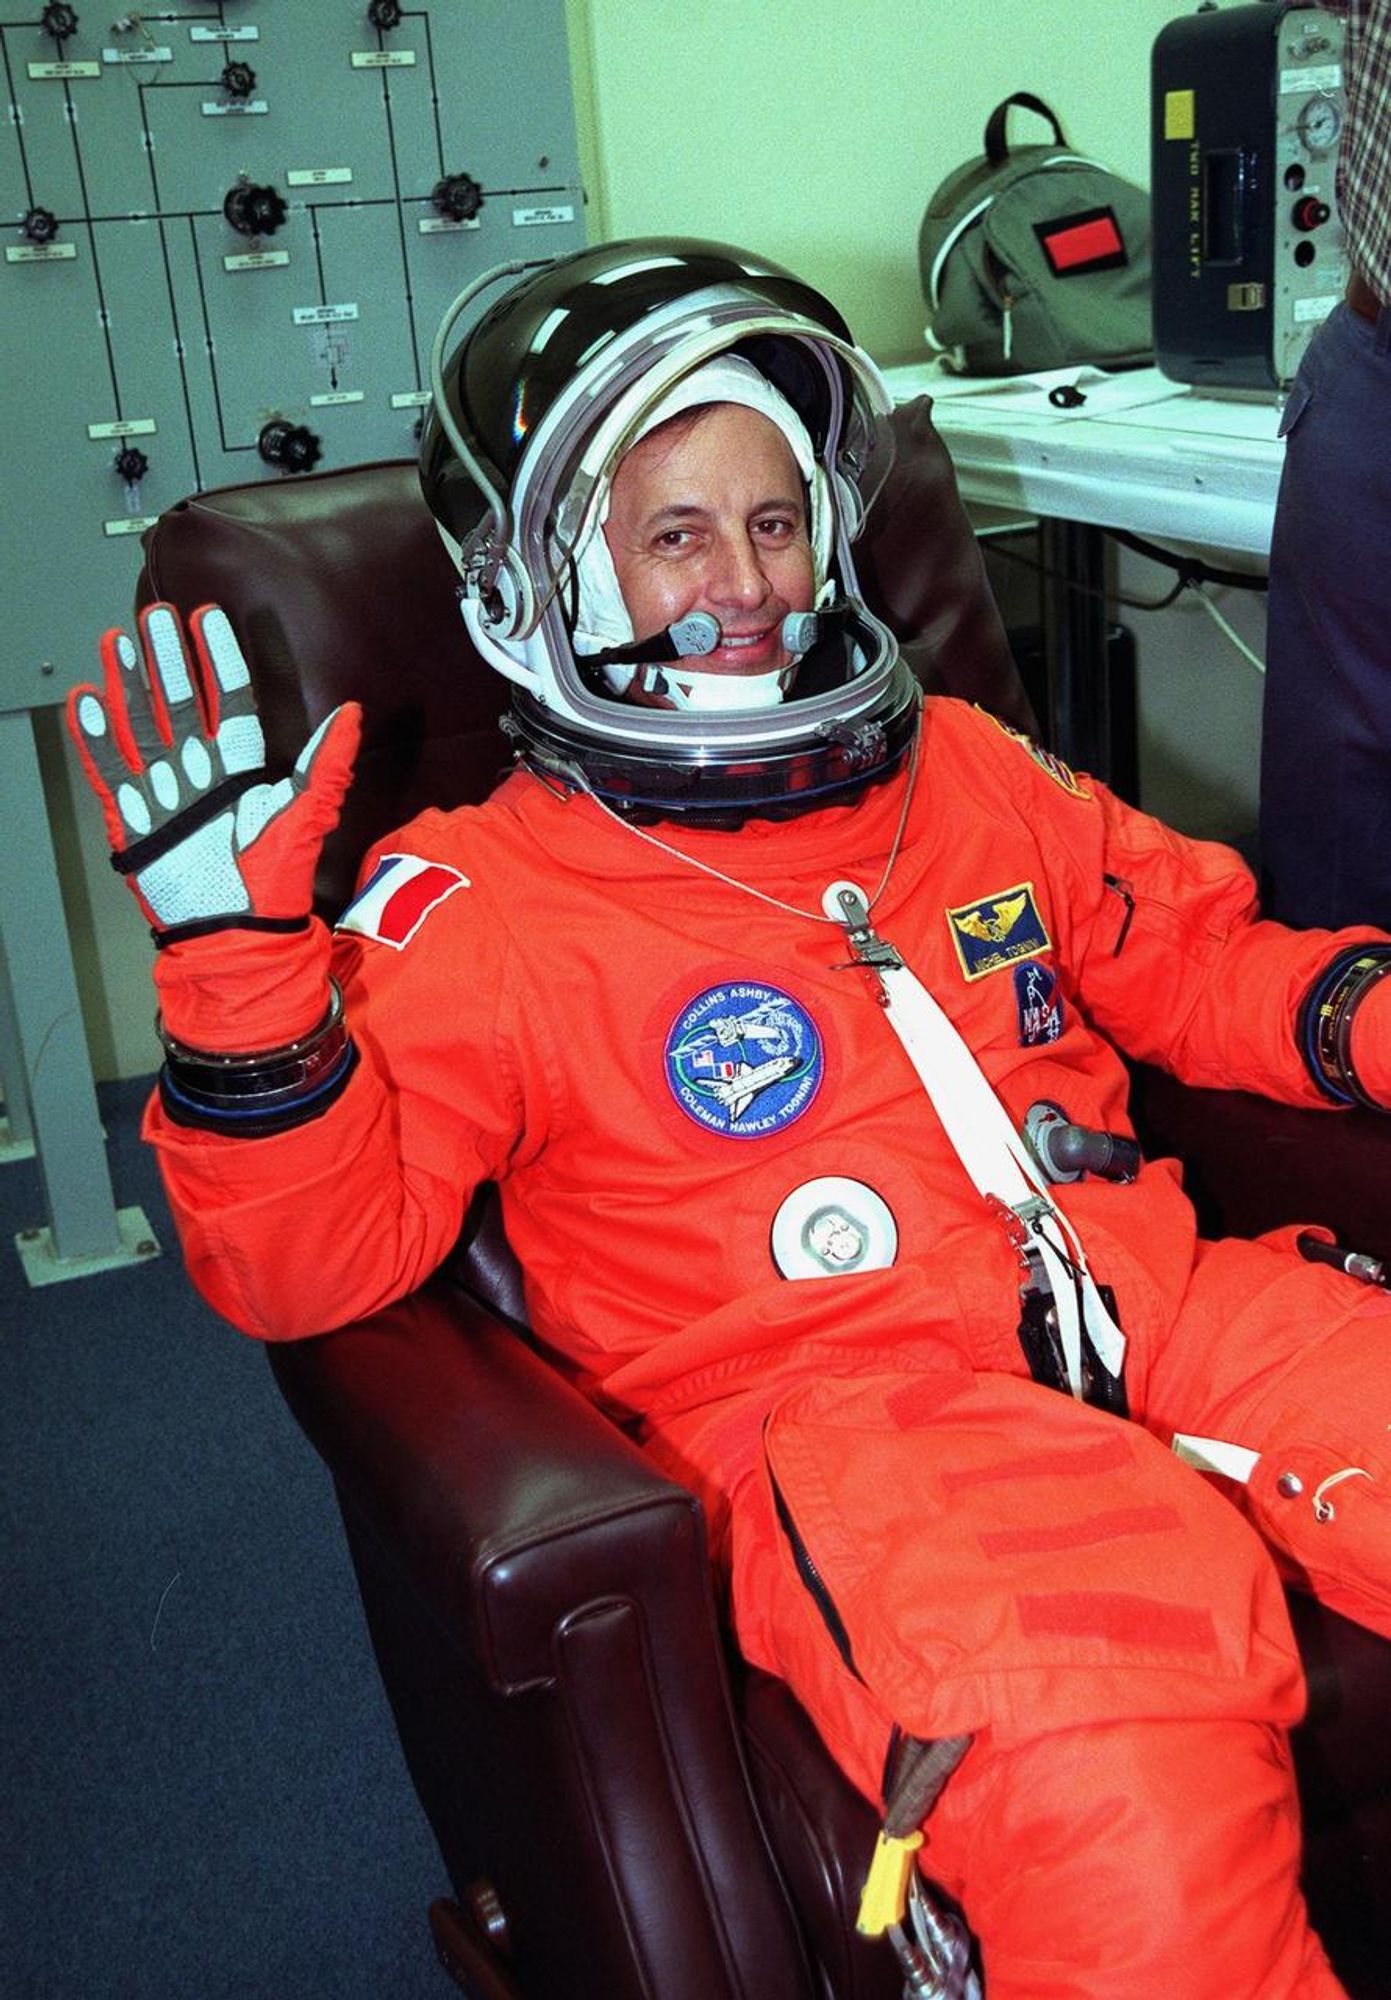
[814,130]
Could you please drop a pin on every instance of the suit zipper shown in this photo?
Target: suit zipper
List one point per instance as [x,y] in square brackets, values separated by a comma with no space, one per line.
[1120,887]
[812,1578]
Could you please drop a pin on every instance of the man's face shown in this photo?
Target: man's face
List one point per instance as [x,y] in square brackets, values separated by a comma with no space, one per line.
[708,514]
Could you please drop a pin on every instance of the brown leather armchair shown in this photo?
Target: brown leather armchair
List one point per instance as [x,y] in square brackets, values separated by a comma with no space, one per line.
[624,1811]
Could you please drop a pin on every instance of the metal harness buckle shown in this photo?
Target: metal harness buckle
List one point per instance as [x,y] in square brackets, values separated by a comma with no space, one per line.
[1021,1222]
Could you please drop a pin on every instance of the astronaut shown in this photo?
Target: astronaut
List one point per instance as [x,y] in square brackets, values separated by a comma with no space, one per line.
[847,1301]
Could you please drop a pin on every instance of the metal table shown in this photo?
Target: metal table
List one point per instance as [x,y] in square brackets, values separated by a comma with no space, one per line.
[1140,453]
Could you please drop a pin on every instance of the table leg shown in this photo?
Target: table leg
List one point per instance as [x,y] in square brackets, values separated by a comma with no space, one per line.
[16,1126]
[51,1066]
[1076,625]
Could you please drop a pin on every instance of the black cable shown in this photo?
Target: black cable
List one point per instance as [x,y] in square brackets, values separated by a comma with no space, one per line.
[1191,569]
[993,548]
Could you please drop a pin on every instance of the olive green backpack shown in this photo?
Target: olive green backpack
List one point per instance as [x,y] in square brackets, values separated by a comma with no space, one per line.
[1036,257]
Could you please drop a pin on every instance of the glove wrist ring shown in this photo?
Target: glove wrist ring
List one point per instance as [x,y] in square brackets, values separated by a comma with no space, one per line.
[263,1089]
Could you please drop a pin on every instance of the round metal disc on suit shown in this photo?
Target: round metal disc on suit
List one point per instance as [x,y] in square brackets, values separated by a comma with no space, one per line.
[832,1226]
[832,906]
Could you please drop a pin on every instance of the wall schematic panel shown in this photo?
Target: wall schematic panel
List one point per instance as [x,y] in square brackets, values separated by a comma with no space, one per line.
[231,229]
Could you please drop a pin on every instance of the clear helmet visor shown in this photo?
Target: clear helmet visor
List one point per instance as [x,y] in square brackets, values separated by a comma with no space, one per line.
[561,494]
[550,393]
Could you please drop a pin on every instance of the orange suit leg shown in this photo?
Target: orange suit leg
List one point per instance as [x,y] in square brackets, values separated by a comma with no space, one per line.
[1143,1858]
[1151,1857]
[1293,1361]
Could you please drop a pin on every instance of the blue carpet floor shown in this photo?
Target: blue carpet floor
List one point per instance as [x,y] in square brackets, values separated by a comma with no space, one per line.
[202,1792]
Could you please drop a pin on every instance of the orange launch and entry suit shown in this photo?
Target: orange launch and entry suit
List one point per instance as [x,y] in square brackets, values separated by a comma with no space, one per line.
[742,1222]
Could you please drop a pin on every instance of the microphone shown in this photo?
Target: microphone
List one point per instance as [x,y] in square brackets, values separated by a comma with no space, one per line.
[1066,1151]
[700,632]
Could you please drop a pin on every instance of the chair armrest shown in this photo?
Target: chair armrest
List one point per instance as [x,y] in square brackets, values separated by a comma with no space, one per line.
[1251,1165]
[541,1605]
[509,1501]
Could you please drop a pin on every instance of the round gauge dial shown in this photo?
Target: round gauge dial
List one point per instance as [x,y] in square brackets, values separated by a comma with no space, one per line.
[1319,124]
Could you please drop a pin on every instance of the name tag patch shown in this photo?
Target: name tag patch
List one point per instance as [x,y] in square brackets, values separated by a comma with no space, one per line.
[998,931]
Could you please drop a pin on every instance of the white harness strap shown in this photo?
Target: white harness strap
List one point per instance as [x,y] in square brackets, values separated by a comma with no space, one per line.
[998,1161]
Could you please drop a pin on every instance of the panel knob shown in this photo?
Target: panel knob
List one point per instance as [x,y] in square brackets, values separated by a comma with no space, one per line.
[238,79]
[40,225]
[59,20]
[1310,212]
[254,211]
[292,447]
[458,196]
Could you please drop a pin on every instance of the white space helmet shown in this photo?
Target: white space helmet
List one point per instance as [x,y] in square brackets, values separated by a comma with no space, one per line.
[533,412]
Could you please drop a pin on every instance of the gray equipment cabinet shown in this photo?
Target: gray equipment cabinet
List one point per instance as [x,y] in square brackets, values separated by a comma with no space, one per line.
[230,230]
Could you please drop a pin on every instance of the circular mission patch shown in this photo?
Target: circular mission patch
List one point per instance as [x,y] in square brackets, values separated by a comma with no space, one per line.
[744,1059]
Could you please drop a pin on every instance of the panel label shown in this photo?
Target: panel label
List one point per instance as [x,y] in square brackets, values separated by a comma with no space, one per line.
[445,225]
[246,34]
[1180,111]
[128,427]
[39,253]
[323,315]
[410,399]
[1328,76]
[254,108]
[129,524]
[536,218]
[254,260]
[313,177]
[62,72]
[383,58]
[332,397]
[151,55]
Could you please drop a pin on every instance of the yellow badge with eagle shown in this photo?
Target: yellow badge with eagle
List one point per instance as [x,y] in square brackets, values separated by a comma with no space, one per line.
[998,931]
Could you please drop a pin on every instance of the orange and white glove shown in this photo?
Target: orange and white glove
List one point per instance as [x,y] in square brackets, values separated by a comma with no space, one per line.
[220,855]
[174,752]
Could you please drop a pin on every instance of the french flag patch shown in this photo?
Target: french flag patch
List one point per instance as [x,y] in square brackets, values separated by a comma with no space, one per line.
[397,898]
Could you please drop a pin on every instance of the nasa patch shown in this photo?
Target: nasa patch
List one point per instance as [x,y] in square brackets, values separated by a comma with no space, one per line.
[743,1060]
[1040,1006]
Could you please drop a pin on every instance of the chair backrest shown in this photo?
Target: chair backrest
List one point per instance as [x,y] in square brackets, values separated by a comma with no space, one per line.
[339,588]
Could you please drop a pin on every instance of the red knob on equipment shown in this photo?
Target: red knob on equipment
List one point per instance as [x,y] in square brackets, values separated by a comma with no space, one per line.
[1309,212]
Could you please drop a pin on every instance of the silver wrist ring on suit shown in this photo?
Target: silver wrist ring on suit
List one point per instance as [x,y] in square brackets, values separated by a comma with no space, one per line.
[1327,1016]
[278,1084]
